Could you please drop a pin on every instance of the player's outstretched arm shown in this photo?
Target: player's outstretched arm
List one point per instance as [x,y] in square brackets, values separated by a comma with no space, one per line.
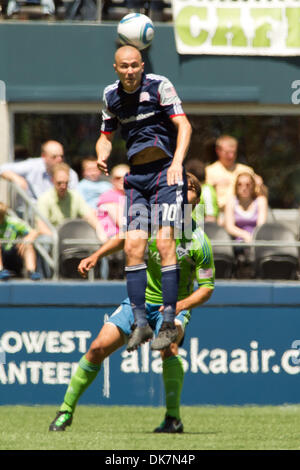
[184,132]
[103,150]
[197,298]
[111,246]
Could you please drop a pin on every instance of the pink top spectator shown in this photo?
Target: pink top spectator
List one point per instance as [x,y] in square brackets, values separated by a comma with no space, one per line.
[108,197]
[246,220]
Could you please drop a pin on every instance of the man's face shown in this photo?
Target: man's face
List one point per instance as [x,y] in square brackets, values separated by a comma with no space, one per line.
[91,171]
[227,153]
[129,68]
[61,181]
[52,154]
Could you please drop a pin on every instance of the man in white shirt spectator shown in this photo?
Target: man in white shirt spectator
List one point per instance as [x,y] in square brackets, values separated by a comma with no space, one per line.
[34,175]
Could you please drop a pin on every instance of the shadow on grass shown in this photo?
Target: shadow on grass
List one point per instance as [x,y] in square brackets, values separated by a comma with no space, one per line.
[185,433]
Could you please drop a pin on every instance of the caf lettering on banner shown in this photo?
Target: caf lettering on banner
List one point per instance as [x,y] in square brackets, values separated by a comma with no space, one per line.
[237,28]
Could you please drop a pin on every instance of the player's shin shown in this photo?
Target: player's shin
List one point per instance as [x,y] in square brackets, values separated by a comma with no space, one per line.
[80,381]
[169,282]
[136,278]
[173,375]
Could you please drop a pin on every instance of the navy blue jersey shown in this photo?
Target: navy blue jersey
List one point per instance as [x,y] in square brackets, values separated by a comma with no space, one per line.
[144,115]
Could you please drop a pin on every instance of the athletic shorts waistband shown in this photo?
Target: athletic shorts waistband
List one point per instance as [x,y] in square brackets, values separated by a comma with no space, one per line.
[155,166]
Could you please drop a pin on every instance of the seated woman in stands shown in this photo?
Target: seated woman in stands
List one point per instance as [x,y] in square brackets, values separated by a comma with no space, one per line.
[245,210]
[111,203]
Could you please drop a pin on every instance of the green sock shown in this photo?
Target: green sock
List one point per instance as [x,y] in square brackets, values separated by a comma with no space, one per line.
[83,377]
[173,375]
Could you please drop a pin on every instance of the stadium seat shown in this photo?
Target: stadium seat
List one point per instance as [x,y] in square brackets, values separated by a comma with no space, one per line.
[223,255]
[289,218]
[290,187]
[70,254]
[115,10]
[275,262]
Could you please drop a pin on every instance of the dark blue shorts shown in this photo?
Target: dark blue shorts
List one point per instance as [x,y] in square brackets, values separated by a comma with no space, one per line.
[150,202]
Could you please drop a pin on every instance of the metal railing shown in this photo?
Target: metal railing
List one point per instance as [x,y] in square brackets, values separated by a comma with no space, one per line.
[28,212]
[254,244]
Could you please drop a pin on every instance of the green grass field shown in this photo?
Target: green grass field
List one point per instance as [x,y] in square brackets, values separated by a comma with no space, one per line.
[130,428]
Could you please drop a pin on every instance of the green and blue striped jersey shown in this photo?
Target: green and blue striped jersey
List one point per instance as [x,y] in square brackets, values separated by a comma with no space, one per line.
[195,259]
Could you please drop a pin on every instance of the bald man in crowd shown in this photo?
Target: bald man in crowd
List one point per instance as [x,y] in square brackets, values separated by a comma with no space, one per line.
[34,175]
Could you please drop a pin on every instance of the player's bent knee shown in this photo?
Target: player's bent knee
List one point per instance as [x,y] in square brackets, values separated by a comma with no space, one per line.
[97,353]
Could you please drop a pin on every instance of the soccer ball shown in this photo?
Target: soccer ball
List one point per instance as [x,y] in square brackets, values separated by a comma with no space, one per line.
[136,29]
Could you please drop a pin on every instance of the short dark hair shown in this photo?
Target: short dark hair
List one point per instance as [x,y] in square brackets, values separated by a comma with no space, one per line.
[194,182]
[88,158]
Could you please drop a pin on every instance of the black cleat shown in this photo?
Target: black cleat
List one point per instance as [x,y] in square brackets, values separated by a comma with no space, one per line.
[170,425]
[140,335]
[166,335]
[61,421]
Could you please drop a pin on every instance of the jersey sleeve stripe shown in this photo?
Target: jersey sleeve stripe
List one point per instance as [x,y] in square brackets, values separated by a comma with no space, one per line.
[175,115]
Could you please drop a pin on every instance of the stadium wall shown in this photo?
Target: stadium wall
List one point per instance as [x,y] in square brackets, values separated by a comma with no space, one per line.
[242,347]
[66,62]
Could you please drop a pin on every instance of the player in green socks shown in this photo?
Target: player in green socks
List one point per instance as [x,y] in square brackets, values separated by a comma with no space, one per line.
[196,262]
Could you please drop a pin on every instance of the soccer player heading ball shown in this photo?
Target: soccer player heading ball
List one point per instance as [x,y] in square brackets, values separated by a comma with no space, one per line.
[157,134]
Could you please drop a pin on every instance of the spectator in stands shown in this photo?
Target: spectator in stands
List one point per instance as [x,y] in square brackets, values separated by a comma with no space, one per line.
[47,7]
[13,256]
[152,8]
[208,193]
[60,203]
[222,173]
[93,183]
[111,203]
[34,175]
[245,209]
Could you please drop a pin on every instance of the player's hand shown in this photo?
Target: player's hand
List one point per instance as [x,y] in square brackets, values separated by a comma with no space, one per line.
[86,265]
[174,174]
[102,165]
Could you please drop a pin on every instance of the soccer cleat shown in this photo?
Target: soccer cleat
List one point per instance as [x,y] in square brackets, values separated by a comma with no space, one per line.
[140,335]
[61,421]
[170,425]
[166,335]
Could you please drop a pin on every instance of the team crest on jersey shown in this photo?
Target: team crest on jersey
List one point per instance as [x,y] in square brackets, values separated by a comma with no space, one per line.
[181,252]
[144,96]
